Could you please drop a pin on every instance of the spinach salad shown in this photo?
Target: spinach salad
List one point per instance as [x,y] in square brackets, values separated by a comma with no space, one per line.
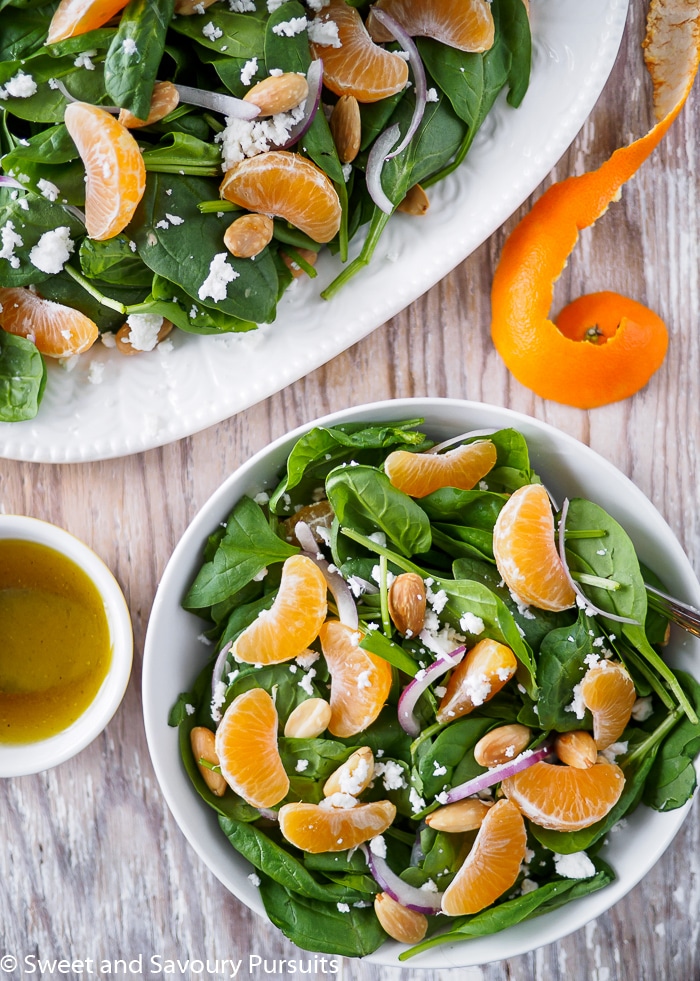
[370,533]
[157,267]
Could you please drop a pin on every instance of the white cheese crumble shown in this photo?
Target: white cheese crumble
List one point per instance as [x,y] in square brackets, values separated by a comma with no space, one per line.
[255,879]
[289,28]
[343,907]
[243,138]
[212,32]
[577,865]
[642,709]
[20,86]
[273,5]
[391,774]
[306,683]
[217,700]
[363,680]
[301,766]
[84,60]
[339,800]
[577,706]
[10,240]
[353,783]
[432,95]
[52,251]
[377,846]
[317,5]
[129,46]
[242,6]
[143,332]
[325,33]
[528,885]
[472,624]
[416,801]
[248,70]
[220,275]
[306,660]
[47,189]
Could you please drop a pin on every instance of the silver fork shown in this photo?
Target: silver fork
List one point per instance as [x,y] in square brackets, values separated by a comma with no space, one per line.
[682,614]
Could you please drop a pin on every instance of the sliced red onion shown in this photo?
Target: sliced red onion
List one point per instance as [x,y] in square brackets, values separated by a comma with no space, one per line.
[219,667]
[342,594]
[414,58]
[460,439]
[375,163]
[415,688]
[419,900]
[76,212]
[314,78]
[265,812]
[227,105]
[587,605]
[497,773]
[10,182]
[71,98]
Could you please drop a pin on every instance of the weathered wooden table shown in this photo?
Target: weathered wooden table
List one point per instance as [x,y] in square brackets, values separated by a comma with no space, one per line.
[92,864]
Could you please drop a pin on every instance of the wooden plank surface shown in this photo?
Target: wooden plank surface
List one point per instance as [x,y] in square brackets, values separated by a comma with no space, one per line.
[92,864]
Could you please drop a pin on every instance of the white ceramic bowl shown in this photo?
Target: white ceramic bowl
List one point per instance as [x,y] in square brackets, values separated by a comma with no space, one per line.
[20,759]
[173,656]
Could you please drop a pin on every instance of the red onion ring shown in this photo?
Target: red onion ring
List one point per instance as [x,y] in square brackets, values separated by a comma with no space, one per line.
[314,78]
[375,163]
[10,182]
[414,58]
[342,594]
[265,812]
[218,668]
[227,105]
[460,439]
[574,585]
[419,900]
[497,773]
[415,688]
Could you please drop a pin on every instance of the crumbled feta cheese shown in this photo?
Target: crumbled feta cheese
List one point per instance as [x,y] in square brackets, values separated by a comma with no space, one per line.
[10,240]
[325,33]
[343,907]
[84,60]
[243,138]
[52,251]
[220,274]
[143,332]
[47,189]
[129,46]
[273,5]
[363,680]
[440,770]
[429,886]
[306,660]
[242,6]
[108,339]
[642,709]
[528,885]
[436,600]
[212,32]
[217,700]
[472,624]
[432,95]
[289,28]
[416,801]
[614,750]
[377,846]
[577,865]
[190,709]
[577,706]
[355,782]
[339,800]
[255,879]
[317,5]
[391,774]
[306,683]
[301,766]
[248,70]
[20,86]
[174,219]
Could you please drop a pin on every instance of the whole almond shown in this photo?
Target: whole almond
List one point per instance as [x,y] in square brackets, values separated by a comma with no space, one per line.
[346,127]
[309,719]
[577,749]
[416,201]
[278,93]
[407,603]
[463,815]
[248,235]
[353,776]
[502,744]
[202,743]
[165,98]
[402,924]
[187,7]
[124,345]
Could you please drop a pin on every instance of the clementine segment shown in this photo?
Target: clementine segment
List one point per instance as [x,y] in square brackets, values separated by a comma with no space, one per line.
[246,744]
[608,693]
[56,330]
[294,619]
[360,681]
[288,186]
[419,474]
[565,798]
[320,828]
[477,678]
[525,551]
[606,348]
[492,865]
[116,174]
[464,24]
[79,16]
[357,66]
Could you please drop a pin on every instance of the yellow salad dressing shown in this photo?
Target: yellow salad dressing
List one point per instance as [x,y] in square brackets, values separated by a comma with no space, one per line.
[55,647]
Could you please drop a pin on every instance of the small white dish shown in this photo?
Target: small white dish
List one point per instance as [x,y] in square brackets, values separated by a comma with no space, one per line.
[174,656]
[21,759]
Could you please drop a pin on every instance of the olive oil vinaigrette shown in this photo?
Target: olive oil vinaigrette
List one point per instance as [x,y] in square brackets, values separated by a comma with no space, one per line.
[55,646]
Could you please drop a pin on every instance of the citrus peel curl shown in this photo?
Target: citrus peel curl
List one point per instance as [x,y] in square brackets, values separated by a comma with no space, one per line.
[603,347]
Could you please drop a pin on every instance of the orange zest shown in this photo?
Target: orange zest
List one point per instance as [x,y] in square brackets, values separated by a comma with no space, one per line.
[492,865]
[464,24]
[565,798]
[288,186]
[419,474]
[246,745]
[360,681]
[74,17]
[57,331]
[320,828]
[605,347]
[609,694]
[357,66]
[526,553]
[292,622]
[116,174]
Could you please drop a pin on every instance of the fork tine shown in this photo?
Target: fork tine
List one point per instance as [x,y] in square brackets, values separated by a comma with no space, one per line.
[683,614]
